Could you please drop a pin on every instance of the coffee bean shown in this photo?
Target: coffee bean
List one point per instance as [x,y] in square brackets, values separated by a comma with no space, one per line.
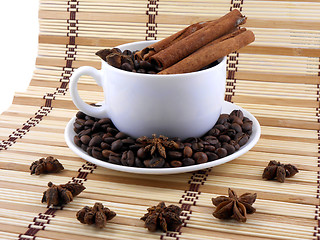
[85,139]
[80,115]
[96,153]
[223,118]
[236,127]
[141,153]
[197,146]
[109,140]
[114,158]
[221,152]
[231,133]
[84,147]
[237,113]
[157,162]
[127,67]
[96,126]
[135,147]
[88,117]
[247,126]
[147,163]
[236,119]
[104,145]
[235,144]
[174,154]
[106,153]
[78,126]
[127,52]
[242,140]
[212,156]
[121,135]
[220,127]
[77,141]
[89,122]
[113,131]
[187,144]
[166,165]
[138,162]
[214,132]
[127,158]
[230,149]
[116,145]
[176,163]
[136,64]
[128,141]
[209,148]
[211,140]
[187,152]
[104,121]
[85,132]
[95,141]
[188,161]
[227,125]
[76,130]
[145,65]
[141,70]
[89,151]
[224,138]
[200,157]
[151,72]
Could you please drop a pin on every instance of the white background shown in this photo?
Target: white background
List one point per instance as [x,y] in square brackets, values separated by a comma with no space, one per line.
[18,47]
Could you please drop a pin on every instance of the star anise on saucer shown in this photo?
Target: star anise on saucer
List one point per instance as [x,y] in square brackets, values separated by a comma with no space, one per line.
[163,218]
[98,215]
[46,165]
[234,207]
[157,144]
[279,171]
[58,195]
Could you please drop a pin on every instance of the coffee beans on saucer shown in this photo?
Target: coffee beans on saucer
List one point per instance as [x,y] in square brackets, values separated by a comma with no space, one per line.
[102,140]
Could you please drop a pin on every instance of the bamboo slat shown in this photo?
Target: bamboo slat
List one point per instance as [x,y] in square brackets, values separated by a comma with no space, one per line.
[276,78]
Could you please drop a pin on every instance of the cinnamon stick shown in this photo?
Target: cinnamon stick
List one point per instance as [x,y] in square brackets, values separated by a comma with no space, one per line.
[184,47]
[154,48]
[212,52]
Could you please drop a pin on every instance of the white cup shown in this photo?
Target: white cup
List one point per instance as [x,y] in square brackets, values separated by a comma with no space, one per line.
[176,105]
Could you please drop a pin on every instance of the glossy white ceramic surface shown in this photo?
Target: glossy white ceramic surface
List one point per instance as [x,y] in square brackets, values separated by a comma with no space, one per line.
[226,108]
[177,105]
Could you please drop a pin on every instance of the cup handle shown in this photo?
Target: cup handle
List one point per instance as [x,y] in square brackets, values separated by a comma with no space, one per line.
[98,112]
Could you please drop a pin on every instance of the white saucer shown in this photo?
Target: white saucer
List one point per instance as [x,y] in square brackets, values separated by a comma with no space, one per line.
[226,108]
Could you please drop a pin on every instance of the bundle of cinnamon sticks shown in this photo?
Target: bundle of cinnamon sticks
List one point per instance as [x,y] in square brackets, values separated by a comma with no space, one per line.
[198,45]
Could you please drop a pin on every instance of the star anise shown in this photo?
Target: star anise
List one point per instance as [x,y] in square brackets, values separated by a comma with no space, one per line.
[279,171]
[157,144]
[234,207]
[98,215]
[46,165]
[58,195]
[163,218]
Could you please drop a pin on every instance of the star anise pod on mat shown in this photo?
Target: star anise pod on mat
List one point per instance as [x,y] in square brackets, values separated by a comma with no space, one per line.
[279,171]
[58,195]
[157,144]
[234,207]
[98,215]
[46,165]
[162,217]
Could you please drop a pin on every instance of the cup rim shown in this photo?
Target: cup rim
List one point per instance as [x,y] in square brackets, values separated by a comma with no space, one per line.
[221,60]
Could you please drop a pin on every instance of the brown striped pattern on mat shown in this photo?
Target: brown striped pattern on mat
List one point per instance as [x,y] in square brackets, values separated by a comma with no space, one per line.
[276,78]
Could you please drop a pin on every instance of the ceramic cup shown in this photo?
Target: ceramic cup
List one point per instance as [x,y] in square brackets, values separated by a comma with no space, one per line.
[178,105]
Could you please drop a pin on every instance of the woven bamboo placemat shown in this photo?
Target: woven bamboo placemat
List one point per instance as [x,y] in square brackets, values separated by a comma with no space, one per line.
[276,78]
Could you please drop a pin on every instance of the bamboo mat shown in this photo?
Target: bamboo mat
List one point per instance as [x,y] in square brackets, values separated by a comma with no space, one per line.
[276,78]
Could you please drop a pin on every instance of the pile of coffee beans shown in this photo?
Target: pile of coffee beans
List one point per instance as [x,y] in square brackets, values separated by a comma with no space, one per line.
[126,61]
[102,140]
